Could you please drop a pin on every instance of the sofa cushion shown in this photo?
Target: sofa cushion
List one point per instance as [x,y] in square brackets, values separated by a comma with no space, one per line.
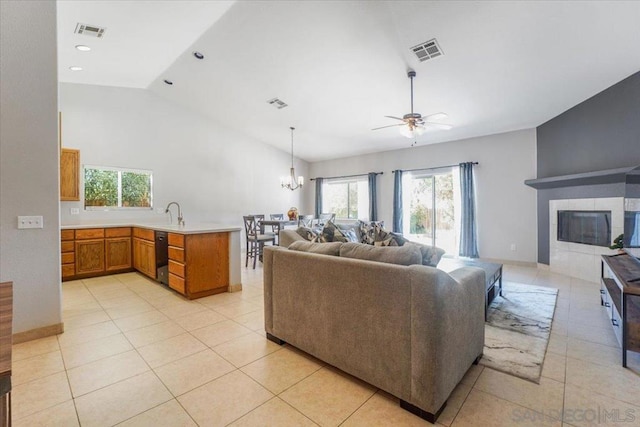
[402,255]
[306,233]
[330,233]
[430,254]
[331,248]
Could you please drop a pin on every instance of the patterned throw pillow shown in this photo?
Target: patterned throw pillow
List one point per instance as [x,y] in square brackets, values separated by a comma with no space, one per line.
[306,233]
[430,254]
[330,233]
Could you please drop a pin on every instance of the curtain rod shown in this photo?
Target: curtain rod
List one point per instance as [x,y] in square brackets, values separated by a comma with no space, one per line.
[347,176]
[428,169]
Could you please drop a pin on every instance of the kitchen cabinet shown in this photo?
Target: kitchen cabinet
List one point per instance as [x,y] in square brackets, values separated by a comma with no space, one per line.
[144,252]
[89,256]
[67,254]
[117,248]
[199,263]
[69,174]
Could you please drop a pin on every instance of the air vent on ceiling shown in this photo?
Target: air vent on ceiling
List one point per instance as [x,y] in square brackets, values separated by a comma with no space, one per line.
[427,50]
[278,103]
[90,30]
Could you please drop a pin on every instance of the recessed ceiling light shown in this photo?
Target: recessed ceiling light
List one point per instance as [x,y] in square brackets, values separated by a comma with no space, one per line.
[169,82]
[198,55]
[83,48]
[75,68]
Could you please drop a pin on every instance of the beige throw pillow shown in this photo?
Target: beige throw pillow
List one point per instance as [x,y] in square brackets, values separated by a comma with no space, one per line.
[331,248]
[401,255]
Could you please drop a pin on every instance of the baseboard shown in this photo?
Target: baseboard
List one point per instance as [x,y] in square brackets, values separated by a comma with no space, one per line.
[34,334]
[545,267]
[235,288]
[510,262]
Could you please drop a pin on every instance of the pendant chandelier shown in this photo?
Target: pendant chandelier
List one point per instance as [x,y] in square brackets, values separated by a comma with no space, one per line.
[291,182]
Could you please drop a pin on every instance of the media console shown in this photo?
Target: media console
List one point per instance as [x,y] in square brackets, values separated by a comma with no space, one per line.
[620,295]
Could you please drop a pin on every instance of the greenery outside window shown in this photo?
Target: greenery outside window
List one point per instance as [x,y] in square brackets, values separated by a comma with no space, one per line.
[117,188]
[348,199]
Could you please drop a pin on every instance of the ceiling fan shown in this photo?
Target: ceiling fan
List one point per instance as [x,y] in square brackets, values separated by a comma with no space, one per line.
[414,124]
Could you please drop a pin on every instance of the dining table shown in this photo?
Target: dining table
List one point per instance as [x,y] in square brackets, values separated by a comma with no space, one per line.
[276,224]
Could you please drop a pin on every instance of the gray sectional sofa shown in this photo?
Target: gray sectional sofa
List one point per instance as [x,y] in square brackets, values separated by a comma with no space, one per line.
[410,330]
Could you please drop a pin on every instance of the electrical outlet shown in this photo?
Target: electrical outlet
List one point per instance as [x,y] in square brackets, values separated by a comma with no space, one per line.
[513,246]
[74,211]
[30,221]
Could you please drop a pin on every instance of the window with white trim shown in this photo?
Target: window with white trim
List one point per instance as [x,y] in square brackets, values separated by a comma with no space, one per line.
[347,198]
[117,188]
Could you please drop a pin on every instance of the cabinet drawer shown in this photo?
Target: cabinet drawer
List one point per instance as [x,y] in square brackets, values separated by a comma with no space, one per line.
[176,268]
[90,233]
[117,232]
[144,233]
[176,283]
[67,234]
[68,270]
[67,247]
[176,240]
[68,258]
[176,254]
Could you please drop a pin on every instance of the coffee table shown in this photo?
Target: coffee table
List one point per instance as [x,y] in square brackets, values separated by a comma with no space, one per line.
[492,271]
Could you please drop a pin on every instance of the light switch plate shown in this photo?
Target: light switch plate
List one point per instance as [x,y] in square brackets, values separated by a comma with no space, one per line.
[30,221]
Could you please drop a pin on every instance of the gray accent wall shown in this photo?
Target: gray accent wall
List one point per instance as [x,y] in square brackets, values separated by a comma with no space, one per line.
[600,133]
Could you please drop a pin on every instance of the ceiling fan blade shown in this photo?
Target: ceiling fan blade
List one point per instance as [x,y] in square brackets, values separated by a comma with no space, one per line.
[445,126]
[393,117]
[389,126]
[436,116]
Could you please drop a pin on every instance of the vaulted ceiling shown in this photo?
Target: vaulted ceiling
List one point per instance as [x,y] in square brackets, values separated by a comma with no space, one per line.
[342,66]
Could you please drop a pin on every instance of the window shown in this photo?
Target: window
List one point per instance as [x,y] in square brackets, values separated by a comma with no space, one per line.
[431,207]
[117,188]
[348,199]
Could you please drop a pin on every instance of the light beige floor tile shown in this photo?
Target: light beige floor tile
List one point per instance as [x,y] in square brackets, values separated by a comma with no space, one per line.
[91,351]
[235,395]
[129,310]
[220,332]
[87,319]
[593,352]
[193,371]
[239,308]
[87,333]
[483,410]
[586,408]
[249,292]
[153,333]
[167,299]
[40,394]
[76,298]
[246,349]
[92,376]
[554,366]
[613,381]
[62,415]
[167,414]
[454,403]
[166,351]
[220,299]
[200,319]
[29,349]
[274,413]
[545,397]
[604,336]
[253,320]
[472,374]
[328,396]
[383,410]
[557,344]
[121,401]
[141,320]
[43,365]
[82,308]
[141,286]
[117,297]
[152,292]
[280,370]
[182,308]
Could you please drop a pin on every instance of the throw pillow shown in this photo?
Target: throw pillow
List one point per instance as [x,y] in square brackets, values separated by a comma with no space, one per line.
[330,233]
[401,255]
[306,233]
[332,248]
[430,254]
[351,236]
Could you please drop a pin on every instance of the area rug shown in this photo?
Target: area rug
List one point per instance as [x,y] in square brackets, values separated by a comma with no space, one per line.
[517,330]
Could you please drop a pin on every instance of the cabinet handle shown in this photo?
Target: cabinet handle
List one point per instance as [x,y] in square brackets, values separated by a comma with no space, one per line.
[614,322]
[606,304]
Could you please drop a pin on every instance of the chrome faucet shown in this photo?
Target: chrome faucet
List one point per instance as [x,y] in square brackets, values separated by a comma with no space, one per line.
[180,218]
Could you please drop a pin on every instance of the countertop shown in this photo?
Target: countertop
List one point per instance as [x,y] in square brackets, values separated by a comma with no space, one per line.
[197,228]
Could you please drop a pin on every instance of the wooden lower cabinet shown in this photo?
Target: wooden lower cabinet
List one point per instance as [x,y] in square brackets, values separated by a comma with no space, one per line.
[199,263]
[117,253]
[144,256]
[89,256]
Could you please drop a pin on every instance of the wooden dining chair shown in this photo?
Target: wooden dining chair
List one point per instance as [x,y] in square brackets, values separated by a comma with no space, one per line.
[275,229]
[254,239]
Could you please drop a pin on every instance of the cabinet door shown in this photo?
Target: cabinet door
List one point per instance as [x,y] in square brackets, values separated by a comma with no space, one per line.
[69,175]
[144,257]
[89,256]
[118,253]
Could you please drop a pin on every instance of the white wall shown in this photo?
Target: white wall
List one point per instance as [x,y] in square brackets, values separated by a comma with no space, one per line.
[506,206]
[29,161]
[215,173]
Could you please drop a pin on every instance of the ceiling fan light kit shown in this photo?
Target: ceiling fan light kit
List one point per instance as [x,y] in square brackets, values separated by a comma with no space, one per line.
[291,182]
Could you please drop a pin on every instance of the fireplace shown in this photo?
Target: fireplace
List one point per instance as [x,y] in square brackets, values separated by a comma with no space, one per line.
[586,227]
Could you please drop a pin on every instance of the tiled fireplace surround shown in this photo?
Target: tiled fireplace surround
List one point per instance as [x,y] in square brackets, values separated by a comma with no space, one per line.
[576,259]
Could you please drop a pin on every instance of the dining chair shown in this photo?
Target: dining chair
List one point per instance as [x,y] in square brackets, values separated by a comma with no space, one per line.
[254,239]
[275,229]
[324,217]
[305,220]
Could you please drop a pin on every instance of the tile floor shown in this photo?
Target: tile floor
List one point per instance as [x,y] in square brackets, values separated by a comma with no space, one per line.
[137,354]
